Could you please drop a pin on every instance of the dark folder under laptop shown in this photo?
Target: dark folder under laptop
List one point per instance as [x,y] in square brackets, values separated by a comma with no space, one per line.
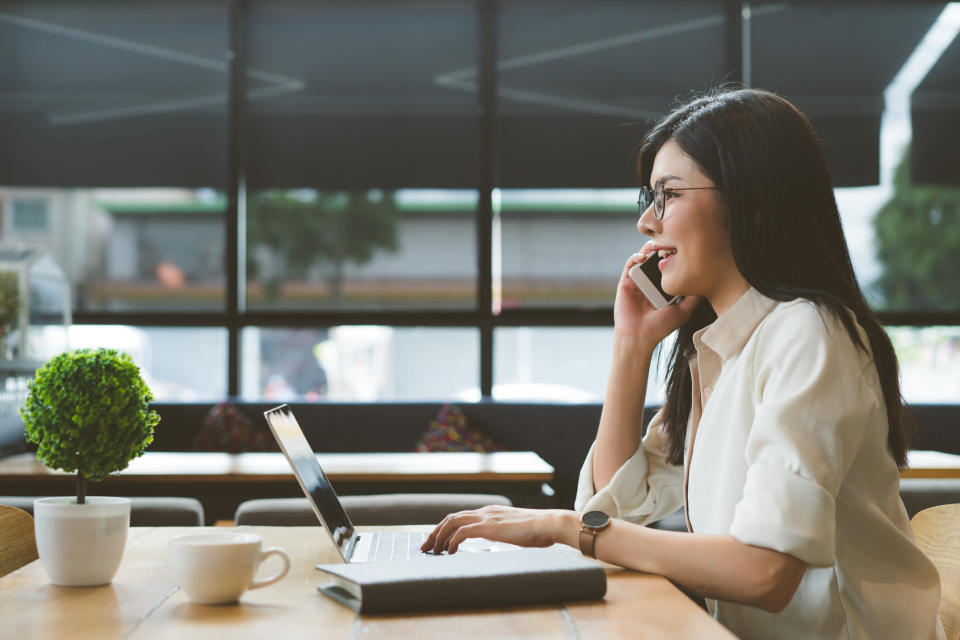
[462,581]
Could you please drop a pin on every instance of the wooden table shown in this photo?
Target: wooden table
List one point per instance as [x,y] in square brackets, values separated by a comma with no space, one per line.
[931,464]
[221,481]
[144,603]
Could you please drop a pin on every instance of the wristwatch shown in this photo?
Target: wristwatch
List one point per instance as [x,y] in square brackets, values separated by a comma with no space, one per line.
[591,523]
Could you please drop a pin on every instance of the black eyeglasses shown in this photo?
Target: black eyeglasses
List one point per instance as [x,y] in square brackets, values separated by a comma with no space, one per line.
[658,197]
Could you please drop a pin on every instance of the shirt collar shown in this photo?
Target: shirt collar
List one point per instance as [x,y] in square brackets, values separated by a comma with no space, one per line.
[730,331]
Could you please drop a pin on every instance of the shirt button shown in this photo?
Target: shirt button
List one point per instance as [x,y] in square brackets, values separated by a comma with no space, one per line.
[707,391]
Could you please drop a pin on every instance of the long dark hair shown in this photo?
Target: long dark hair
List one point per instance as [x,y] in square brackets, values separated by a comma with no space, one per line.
[780,212]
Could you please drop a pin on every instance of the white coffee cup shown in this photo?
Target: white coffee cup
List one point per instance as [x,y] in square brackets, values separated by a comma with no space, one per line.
[216,568]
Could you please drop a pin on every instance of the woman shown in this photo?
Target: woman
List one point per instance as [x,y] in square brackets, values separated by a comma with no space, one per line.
[782,430]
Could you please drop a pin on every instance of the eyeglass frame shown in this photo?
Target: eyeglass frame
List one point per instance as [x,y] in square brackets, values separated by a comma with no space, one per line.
[658,197]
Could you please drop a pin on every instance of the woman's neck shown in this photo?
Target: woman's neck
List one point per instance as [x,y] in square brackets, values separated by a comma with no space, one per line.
[727,295]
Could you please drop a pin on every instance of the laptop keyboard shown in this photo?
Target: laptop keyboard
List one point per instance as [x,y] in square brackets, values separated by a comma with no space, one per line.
[396,545]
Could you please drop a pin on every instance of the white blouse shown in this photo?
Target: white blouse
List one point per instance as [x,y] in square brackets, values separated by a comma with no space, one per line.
[786,449]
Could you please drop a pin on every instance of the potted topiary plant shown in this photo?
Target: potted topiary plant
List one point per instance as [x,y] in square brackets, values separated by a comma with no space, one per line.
[87,411]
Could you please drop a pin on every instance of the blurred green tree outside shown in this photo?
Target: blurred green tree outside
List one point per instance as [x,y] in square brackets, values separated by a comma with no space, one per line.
[307,227]
[918,245]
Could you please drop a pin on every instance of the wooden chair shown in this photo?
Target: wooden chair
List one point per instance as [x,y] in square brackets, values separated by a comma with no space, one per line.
[17,542]
[937,531]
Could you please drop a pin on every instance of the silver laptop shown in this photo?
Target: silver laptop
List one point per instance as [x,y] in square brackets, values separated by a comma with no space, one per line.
[353,546]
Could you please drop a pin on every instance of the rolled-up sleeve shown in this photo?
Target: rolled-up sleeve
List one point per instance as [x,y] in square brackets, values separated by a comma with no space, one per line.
[810,419]
[644,489]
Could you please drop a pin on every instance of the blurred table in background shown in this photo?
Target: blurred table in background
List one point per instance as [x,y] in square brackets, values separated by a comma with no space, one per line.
[221,481]
[931,464]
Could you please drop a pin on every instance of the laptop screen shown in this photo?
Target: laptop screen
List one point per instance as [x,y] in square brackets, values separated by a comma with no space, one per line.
[310,475]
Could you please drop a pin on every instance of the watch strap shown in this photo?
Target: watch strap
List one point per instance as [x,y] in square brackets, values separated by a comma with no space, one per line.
[588,541]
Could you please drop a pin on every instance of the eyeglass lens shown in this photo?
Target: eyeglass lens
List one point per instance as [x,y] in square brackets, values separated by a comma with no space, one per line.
[655,197]
[643,203]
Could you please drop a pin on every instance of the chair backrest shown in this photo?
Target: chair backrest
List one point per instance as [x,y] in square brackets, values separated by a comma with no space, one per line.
[937,531]
[18,545]
[375,510]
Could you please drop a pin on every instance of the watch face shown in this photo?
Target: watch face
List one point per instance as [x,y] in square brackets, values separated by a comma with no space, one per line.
[595,519]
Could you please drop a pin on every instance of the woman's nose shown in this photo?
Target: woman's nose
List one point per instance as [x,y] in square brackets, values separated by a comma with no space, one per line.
[648,223]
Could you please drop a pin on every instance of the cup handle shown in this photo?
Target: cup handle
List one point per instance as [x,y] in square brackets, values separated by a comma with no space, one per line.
[274,551]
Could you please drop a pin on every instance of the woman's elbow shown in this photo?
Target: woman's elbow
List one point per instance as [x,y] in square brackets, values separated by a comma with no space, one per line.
[779,584]
[776,600]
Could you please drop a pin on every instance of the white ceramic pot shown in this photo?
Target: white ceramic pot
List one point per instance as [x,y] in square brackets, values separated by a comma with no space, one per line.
[81,545]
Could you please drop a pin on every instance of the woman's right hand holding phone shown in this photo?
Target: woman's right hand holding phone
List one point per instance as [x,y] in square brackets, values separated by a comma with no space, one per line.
[638,328]
[635,317]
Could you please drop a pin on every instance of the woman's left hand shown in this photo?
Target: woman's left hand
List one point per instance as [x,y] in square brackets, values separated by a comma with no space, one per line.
[522,527]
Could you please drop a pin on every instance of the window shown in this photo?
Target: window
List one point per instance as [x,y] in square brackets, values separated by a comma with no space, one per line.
[562,364]
[114,148]
[929,360]
[362,163]
[178,363]
[30,215]
[420,200]
[359,363]
[575,99]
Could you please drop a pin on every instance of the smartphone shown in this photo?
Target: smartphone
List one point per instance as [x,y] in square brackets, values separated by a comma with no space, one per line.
[646,276]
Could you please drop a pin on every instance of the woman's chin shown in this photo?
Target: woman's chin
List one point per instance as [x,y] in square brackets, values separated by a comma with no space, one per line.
[670,287]
[674,289]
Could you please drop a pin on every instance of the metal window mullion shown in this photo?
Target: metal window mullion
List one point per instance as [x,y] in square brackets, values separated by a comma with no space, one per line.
[746,52]
[487,99]
[236,171]
[733,41]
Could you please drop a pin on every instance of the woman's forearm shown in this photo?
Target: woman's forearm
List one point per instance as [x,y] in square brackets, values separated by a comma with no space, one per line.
[621,421]
[714,566]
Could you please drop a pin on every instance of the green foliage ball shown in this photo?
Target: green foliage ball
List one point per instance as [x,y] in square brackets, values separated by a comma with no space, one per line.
[87,411]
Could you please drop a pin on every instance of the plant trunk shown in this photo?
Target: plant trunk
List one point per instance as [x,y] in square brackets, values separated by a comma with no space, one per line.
[81,488]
